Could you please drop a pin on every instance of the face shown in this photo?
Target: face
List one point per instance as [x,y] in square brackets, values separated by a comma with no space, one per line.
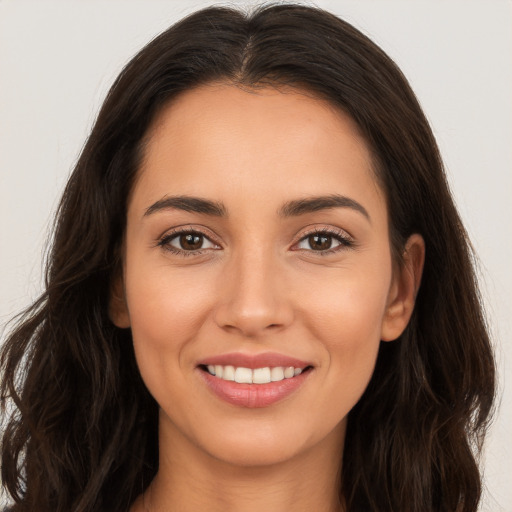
[257,249]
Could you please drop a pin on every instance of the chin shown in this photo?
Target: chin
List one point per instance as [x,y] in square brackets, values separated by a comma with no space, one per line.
[265,444]
[252,455]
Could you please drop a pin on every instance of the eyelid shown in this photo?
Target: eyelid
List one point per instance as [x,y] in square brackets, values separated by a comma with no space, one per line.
[172,233]
[334,230]
[346,240]
[189,228]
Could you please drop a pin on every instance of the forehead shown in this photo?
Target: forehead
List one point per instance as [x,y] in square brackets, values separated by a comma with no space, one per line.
[219,139]
[220,105]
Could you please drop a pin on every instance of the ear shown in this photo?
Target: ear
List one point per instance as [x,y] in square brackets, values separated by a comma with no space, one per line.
[117,307]
[404,288]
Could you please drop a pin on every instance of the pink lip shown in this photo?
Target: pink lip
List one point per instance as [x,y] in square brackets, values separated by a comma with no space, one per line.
[253,395]
[270,359]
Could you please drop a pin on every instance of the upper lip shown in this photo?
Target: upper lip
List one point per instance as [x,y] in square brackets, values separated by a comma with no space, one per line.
[252,361]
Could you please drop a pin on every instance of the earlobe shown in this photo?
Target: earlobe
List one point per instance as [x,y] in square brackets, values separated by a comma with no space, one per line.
[403,291]
[117,308]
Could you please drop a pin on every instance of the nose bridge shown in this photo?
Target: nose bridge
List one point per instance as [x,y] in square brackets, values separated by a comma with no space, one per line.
[253,297]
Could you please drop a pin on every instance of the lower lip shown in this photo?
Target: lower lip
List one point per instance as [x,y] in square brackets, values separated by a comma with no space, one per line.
[253,395]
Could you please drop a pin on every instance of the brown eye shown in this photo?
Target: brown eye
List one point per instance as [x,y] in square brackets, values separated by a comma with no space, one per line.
[320,242]
[187,242]
[190,241]
[325,242]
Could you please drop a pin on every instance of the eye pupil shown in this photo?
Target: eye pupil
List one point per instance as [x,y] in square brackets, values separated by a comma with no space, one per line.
[191,241]
[320,242]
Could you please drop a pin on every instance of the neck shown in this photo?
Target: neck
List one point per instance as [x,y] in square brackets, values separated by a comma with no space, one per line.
[188,479]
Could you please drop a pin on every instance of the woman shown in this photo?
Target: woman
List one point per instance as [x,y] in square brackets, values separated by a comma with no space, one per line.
[260,294]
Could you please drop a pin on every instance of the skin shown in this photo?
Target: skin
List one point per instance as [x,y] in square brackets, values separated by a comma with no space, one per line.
[258,285]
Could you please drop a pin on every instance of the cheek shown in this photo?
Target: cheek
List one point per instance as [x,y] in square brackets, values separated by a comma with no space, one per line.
[348,309]
[164,305]
[346,319]
[166,312]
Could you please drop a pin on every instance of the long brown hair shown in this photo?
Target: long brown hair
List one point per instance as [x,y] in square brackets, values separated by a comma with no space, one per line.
[82,435]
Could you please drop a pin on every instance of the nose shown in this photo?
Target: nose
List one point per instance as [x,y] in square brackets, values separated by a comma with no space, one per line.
[253,297]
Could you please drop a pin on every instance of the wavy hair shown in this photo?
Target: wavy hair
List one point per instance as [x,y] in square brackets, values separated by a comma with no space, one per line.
[81,435]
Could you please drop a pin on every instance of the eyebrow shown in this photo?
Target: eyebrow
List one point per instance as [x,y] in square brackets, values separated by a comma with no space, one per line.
[314,204]
[188,204]
[292,208]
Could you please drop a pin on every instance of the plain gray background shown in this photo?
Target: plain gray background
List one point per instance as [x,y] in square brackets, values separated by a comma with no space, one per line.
[58,58]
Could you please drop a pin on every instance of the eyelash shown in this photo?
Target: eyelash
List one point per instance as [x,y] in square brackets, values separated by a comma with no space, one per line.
[345,241]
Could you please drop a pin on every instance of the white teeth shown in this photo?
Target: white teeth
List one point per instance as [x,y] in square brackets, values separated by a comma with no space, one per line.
[243,375]
[277,374]
[289,372]
[257,376]
[219,371]
[261,376]
[228,373]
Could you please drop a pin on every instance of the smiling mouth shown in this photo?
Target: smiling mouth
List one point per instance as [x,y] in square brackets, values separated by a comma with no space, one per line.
[264,375]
